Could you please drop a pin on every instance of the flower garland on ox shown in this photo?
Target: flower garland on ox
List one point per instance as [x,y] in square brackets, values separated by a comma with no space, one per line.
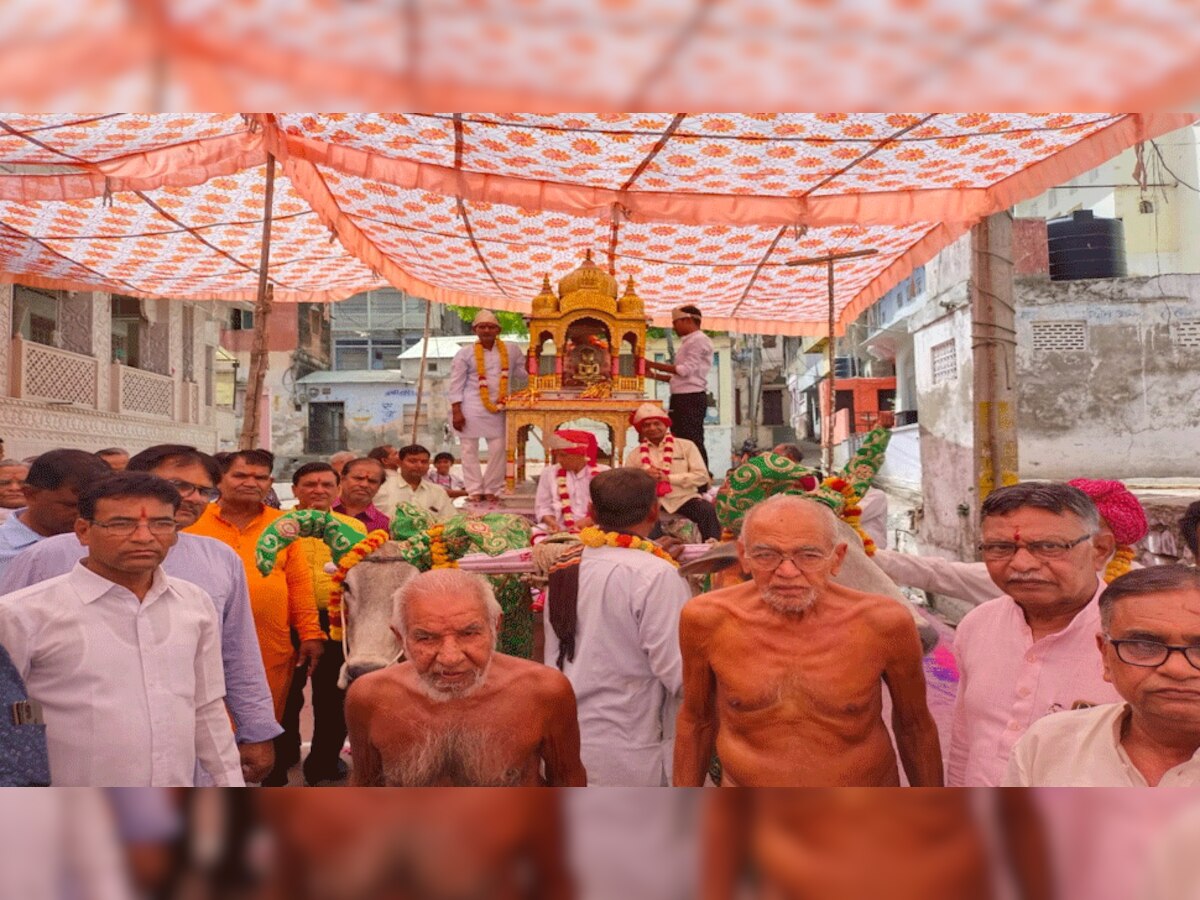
[594,537]
[481,370]
[352,558]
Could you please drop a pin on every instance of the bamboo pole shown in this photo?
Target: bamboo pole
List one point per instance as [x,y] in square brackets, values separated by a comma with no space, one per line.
[421,375]
[831,324]
[262,311]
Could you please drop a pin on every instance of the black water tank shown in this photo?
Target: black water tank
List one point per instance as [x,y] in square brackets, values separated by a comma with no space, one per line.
[1083,246]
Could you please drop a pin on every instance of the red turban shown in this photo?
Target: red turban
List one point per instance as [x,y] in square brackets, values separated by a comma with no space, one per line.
[1119,508]
[583,442]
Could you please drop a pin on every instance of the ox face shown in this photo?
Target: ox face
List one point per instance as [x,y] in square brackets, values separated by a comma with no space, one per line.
[367,613]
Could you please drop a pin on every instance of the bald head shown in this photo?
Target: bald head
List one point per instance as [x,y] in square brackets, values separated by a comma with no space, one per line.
[798,514]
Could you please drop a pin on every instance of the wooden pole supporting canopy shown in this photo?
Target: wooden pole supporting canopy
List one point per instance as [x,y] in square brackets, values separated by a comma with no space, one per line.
[252,404]
[831,322]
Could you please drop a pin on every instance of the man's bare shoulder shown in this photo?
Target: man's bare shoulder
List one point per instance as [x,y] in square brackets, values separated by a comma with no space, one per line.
[380,684]
[885,614]
[714,607]
[534,677]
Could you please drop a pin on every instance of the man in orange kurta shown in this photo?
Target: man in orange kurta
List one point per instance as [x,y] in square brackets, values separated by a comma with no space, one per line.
[282,600]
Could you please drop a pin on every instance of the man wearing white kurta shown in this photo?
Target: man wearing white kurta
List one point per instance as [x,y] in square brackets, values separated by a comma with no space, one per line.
[124,659]
[470,417]
[618,643]
[575,454]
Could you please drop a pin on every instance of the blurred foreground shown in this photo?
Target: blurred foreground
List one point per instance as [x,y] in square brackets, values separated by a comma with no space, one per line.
[469,844]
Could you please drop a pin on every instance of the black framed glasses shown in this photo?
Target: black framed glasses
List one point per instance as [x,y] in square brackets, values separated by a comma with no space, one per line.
[999,550]
[1151,654]
[186,489]
[126,527]
[769,559]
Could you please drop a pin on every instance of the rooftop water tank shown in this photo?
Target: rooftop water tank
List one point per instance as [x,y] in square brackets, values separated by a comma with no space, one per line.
[1082,246]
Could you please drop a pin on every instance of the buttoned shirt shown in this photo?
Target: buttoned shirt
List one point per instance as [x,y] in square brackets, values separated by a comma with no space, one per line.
[686,471]
[1082,748]
[1007,681]
[627,673]
[371,516]
[426,495]
[132,692]
[15,536]
[693,359]
[579,492]
[215,568]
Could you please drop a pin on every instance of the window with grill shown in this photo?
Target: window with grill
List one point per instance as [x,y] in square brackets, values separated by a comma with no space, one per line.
[772,407]
[943,360]
[1059,336]
[1187,334]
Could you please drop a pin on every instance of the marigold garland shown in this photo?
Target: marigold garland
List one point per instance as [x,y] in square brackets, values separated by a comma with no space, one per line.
[1120,563]
[438,551]
[481,369]
[851,512]
[564,498]
[594,537]
[601,390]
[352,558]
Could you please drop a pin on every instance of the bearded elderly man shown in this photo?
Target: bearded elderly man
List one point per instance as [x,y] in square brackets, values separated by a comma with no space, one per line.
[1150,646]
[1030,652]
[784,674]
[456,712]
[676,464]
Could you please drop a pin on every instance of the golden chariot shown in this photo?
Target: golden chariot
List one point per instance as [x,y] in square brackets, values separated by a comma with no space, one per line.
[586,360]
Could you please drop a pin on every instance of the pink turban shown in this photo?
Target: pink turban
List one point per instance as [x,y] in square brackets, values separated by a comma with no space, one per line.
[1119,508]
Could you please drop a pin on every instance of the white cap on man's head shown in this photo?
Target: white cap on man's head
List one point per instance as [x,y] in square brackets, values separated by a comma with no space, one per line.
[681,312]
[485,317]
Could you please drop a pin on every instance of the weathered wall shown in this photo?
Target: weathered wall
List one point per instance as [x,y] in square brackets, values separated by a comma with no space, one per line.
[947,440]
[1127,404]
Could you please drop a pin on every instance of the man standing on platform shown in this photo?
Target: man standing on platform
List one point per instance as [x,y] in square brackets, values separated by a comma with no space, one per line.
[689,376]
[480,377]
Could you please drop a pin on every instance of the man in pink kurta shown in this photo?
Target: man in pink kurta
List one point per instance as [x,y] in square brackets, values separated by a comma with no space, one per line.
[1031,652]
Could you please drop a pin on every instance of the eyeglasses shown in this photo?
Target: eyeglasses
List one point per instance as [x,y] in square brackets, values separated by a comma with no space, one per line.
[1152,654]
[770,559]
[186,489]
[999,550]
[126,527]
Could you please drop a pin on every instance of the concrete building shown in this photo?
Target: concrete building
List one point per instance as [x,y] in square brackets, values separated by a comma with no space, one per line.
[94,370]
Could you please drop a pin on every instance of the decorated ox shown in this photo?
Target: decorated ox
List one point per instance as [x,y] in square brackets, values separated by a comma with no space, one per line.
[370,570]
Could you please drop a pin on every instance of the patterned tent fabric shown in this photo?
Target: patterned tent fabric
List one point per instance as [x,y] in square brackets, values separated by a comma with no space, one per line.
[614,54]
[473,208]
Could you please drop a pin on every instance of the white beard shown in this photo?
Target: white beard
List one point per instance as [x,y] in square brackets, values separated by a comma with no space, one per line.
[789,604]
[440,695]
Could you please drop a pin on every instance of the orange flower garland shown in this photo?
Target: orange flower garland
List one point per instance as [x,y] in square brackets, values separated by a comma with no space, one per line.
[1119,564]
[437,549]
[851,512]
[481,369]
[352,558]
[594,537]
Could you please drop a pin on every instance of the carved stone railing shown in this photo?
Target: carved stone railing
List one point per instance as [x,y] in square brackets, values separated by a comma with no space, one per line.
[40,372]
[140,393]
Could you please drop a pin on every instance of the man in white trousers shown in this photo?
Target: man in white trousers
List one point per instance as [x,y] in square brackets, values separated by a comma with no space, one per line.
[481,377]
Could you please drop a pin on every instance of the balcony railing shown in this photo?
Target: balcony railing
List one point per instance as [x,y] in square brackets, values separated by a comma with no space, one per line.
[49,374]
[140,393]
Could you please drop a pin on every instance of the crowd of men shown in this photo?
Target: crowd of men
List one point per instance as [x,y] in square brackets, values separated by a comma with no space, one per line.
[156,654]
[153,651]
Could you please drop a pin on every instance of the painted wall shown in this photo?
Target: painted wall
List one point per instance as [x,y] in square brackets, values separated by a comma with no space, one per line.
[1127,404]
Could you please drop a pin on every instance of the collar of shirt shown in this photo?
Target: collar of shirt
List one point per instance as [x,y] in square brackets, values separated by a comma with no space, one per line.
[249,526]
[91,587]
[1087,619]
[1119,718]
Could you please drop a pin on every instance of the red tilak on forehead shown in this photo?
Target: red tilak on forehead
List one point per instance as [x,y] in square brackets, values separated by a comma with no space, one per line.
[143,514]
[1016,534]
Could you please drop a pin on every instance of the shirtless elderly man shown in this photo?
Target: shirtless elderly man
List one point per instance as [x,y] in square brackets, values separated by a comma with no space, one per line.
[456,712]
[783,673]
